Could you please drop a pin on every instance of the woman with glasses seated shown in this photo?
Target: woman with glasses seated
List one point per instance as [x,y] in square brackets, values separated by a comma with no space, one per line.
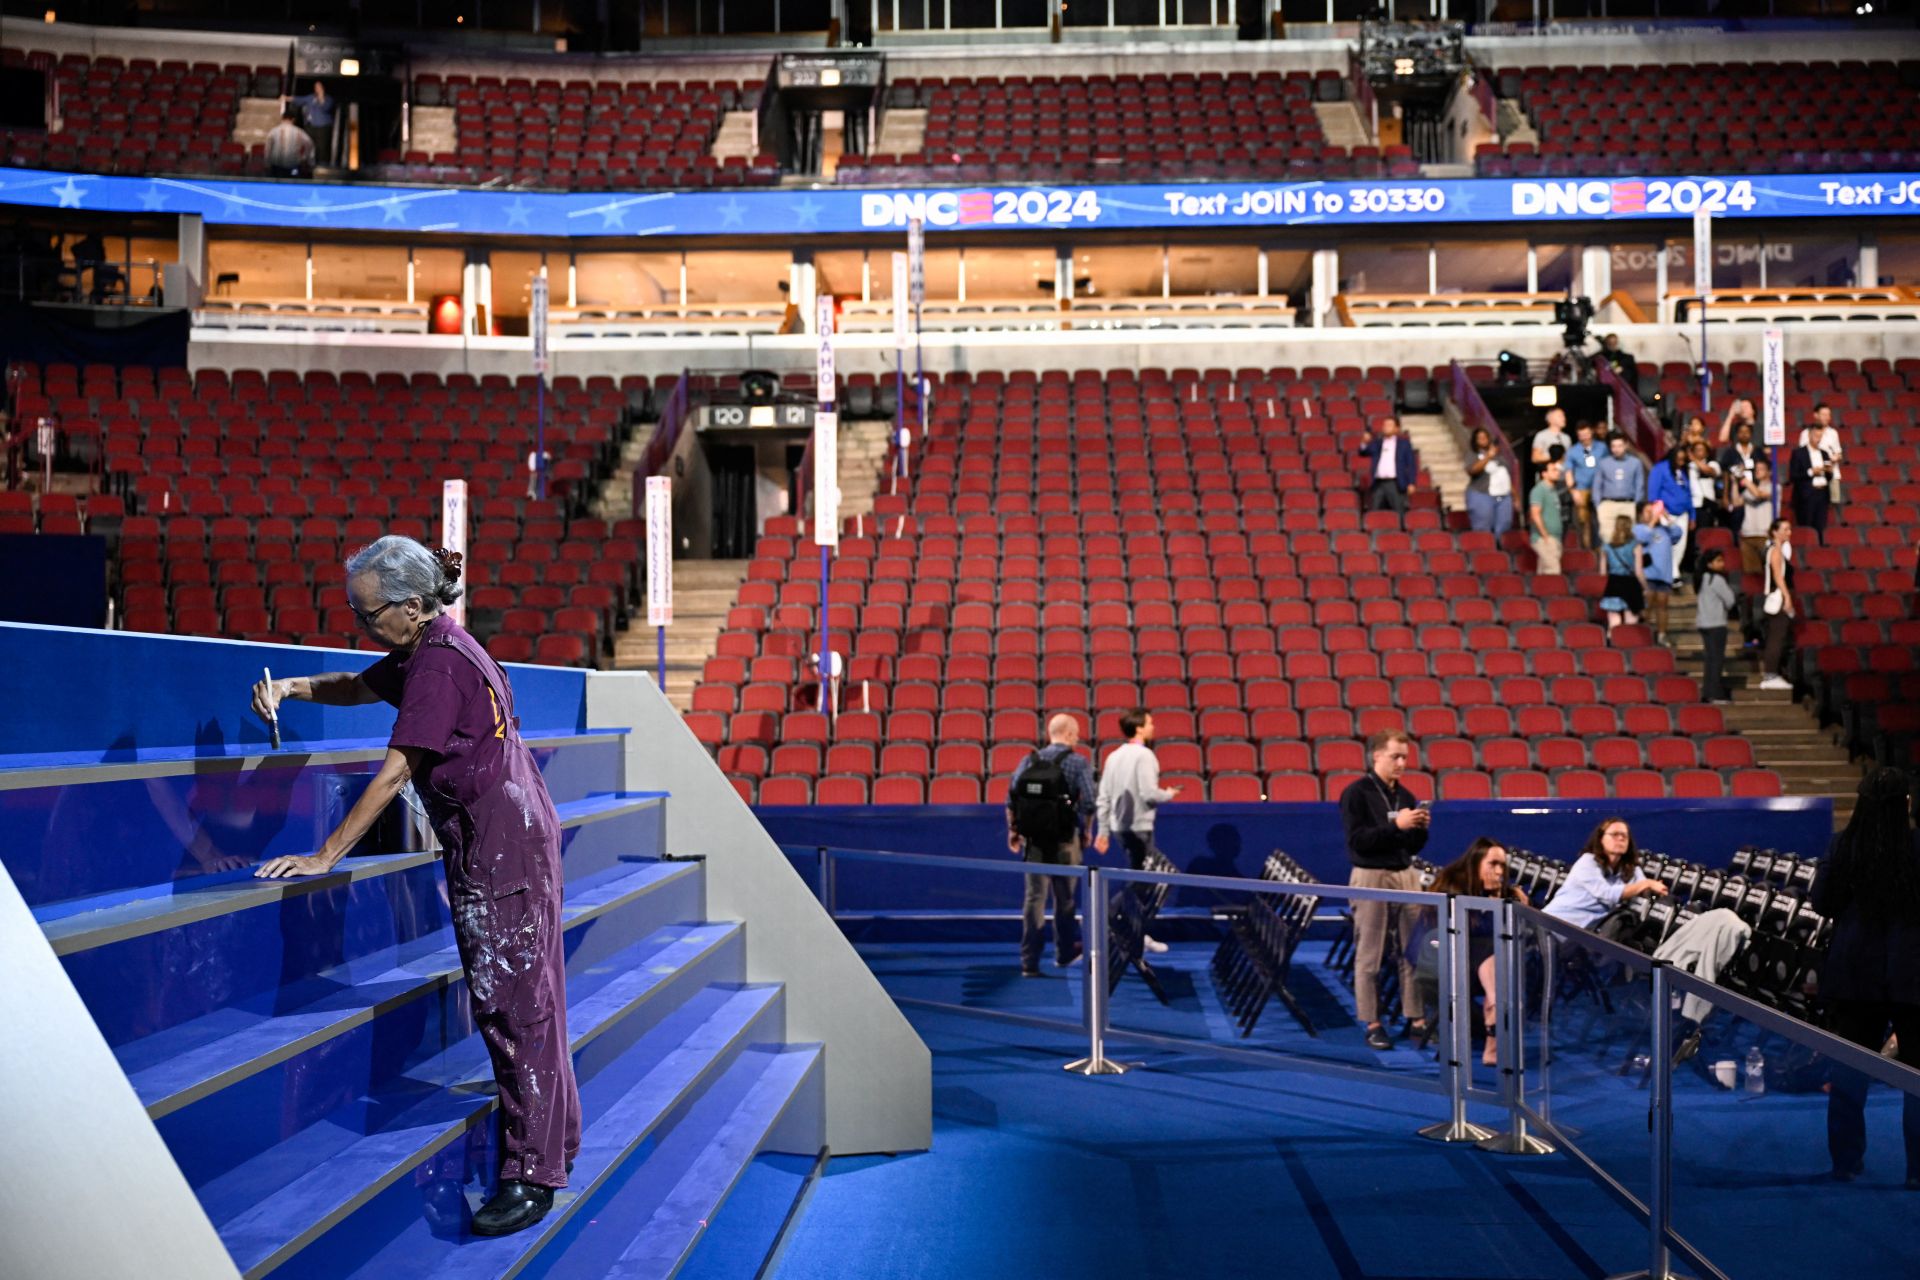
[1595,894]
[457,740]
[1480,872]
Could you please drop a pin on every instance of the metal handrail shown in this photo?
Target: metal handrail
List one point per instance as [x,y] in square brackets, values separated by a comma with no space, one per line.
[1455,1084]
[661,444]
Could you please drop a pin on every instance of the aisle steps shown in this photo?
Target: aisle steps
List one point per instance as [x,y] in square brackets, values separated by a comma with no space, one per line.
[307,1051]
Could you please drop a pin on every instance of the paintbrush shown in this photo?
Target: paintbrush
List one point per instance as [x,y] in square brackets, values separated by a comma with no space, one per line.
[273,708]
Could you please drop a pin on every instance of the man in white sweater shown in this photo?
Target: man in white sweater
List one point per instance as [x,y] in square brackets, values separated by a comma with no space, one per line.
[1130,794]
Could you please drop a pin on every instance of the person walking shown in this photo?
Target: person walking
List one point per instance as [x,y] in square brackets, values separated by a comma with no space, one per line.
[1386,825]
[1545,525]
[1671,485]
[289,149]
[1583,468]
[1626,597]
[1777,605]
[1869,887]
[1049,803]
[1620,483]
[1715,602]
[1131,795]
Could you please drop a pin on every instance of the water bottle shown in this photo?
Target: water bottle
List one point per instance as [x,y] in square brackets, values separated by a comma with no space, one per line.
[1756,1071]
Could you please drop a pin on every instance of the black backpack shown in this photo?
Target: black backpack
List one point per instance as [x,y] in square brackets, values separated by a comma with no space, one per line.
[1042,804]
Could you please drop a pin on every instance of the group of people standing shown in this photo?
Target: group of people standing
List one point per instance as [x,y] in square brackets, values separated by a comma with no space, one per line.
[1869,887]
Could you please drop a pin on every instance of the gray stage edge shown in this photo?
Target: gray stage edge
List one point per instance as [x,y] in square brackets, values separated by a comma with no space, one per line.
[879,1073]
[99,1195]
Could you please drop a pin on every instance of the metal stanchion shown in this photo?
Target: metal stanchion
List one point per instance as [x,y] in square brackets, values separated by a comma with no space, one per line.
[1455,1036]
[1510,996]
[1660,1127]
[1549,960]
[821,872]
[1096,1063]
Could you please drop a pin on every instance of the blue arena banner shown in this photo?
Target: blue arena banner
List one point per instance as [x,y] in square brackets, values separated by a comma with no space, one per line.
[834,210]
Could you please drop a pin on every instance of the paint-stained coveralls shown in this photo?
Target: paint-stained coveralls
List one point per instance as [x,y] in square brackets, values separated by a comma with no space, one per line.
[500,840]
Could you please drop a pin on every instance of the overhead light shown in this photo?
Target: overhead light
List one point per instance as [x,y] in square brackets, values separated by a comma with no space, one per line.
[349,66]
[52,16]
[829,77]
[1546,396]
[1403,66]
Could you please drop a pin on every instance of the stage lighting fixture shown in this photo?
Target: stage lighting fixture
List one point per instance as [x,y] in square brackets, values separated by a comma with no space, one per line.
[1546,396]
[1513,367]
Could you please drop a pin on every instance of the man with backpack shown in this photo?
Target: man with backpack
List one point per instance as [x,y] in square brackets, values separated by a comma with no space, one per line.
[1048,805]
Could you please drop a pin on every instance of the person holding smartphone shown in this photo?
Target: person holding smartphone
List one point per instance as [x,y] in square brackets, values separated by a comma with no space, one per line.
[1386,826]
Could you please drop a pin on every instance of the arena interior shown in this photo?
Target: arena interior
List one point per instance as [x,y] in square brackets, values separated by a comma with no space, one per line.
[1398,451]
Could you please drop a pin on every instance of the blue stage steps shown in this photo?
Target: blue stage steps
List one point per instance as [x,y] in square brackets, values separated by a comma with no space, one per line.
[305,1047]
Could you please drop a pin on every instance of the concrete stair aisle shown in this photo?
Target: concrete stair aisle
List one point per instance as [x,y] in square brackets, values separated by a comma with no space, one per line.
[903,132]
[1514,124]
[863,450]
[615,499]
[1342,124]
[1439,455]
[433,131]
[254,120]
[326,1096]
[735,138]
[1785,735]
[703,591]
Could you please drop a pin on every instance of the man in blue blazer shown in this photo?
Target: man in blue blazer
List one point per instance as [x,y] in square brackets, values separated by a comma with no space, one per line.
[1390,467]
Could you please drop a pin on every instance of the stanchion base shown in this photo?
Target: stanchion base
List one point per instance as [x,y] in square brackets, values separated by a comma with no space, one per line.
[1516,1143]
[1450,1131]
[1097,1067]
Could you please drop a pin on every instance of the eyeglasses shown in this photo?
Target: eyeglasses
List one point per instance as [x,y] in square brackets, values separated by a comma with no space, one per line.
[367,619]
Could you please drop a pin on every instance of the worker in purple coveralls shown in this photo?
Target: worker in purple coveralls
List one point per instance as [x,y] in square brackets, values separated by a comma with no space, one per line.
[457,739]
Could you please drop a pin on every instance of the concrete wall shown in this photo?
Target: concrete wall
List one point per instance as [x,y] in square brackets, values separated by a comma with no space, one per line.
[879,1074]
[873,353]
[91,1190]
[1562,48]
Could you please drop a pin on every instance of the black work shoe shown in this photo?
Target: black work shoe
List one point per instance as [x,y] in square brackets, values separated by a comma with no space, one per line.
[1029,970]
[514,1207]
[1072,957]
[1377,1038]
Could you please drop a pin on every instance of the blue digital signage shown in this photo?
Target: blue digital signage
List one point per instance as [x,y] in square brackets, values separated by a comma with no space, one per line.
[839,210]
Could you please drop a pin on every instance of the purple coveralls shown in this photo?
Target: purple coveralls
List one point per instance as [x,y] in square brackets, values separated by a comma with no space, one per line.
[500,840]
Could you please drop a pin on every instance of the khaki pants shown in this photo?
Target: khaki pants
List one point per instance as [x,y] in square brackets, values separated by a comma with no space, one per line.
[1753,555]
[1546,551]
[1611,510]
[1370,940]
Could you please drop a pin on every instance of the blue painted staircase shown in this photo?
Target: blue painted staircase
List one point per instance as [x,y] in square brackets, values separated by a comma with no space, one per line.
[305,1049]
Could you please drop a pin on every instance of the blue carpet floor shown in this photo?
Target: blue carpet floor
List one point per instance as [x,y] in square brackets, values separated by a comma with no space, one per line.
[1194,1166]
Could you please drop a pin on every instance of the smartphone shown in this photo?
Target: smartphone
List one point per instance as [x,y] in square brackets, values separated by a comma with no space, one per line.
[1425,804]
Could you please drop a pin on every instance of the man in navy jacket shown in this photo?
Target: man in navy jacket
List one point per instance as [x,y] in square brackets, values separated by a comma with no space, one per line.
[1390,467]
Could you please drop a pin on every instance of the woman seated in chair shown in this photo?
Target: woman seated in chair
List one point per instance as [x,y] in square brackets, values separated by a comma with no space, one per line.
[1595,897]
[1480,872]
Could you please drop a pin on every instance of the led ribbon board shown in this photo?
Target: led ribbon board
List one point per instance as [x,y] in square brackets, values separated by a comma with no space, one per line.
[839,211]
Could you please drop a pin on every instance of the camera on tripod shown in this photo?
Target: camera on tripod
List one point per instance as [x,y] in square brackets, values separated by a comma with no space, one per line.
[1572,314]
